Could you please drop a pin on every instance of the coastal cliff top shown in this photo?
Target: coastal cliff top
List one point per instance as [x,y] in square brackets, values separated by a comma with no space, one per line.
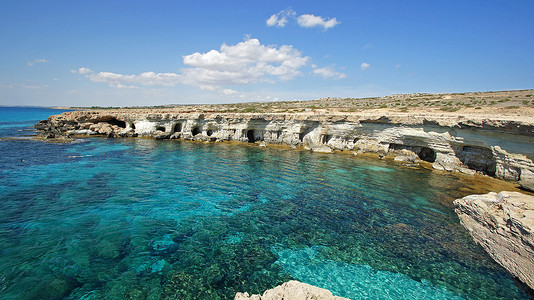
[513,106]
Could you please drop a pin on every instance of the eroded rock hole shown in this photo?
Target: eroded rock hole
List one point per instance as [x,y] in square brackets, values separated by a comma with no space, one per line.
[132,125]
[111,121]
[209,132]
[427,154]
[326,138]
[177,127]
[196,131]
[478,158]
[250,136]
[160,128]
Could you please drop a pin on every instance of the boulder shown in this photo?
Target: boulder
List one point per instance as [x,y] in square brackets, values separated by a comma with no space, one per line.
[527,180]
[503,224]
[447,162]
[293,290]
[369,145]
[406,156]
[322,149]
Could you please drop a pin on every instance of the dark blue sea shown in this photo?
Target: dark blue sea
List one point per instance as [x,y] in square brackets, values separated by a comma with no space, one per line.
[138,218]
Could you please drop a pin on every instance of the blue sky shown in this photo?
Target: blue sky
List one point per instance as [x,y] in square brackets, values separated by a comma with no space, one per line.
[125,53]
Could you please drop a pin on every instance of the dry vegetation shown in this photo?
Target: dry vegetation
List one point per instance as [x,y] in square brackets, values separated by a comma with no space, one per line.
[519,102]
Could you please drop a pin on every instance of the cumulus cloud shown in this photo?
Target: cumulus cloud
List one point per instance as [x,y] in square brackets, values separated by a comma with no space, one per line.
[280,19]
[364,66]
[37,61]
[244,63]
[329,72]
[308,21]
[247,62]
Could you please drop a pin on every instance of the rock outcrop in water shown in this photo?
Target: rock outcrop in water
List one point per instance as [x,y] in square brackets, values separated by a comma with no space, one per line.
[502,149]
[503,224]
[292,290]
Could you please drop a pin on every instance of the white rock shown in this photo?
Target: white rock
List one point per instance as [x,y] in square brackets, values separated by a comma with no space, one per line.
[292,290]
[503,224]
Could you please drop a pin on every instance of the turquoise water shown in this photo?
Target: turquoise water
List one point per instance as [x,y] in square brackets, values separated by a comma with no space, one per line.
[144,219]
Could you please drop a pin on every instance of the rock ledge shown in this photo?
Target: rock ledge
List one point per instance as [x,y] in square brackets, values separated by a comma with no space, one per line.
[503,224]
[292,290]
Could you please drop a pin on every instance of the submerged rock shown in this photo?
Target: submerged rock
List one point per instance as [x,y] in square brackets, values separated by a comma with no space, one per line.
[503,224]
[292,290]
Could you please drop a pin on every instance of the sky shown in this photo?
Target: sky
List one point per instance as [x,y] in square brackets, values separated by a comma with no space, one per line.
[132,53]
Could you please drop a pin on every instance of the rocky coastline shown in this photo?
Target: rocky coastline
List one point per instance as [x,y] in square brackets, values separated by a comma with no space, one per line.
[503,224]
[498,148]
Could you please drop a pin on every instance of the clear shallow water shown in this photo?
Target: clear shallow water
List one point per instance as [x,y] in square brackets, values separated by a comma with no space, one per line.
[139,218]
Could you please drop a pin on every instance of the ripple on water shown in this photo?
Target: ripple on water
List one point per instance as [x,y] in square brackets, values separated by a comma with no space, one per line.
[136,218]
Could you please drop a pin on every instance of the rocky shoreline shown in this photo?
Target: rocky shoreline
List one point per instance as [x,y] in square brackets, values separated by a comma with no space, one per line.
[497,147]
[451,143]
[503,224]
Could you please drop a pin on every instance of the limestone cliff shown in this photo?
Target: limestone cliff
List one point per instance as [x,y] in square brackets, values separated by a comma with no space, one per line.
[292,290]
[503,224]
[502,149]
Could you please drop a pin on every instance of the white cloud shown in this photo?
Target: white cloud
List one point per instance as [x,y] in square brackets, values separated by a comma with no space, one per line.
[308,21]
[245,63]
[35,61]
[82,71]
[280,19]
[364,66]
[229,92]
[328,72]
[126,81]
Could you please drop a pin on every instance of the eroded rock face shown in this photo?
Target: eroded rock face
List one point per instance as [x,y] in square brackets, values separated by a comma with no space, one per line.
[503,224]
[448,144]
[293,290]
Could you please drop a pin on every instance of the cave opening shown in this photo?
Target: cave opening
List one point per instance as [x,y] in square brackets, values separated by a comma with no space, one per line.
[326,138]
[160,128]
[177,127]
[209,132]
[196,131]
[478,158]
[112,121]
[250,136]
[427,154]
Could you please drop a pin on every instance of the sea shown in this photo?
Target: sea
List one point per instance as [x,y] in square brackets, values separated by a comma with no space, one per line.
[137,218]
